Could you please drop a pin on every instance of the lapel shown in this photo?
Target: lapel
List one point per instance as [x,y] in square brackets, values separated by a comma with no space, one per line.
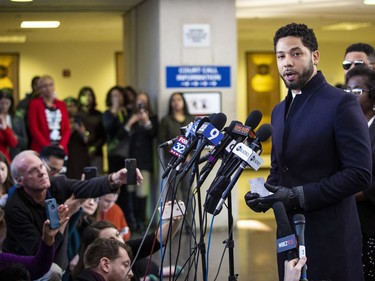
[294,117]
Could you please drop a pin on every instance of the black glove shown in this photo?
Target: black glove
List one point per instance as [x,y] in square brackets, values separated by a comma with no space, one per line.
[293,198]
[252,200]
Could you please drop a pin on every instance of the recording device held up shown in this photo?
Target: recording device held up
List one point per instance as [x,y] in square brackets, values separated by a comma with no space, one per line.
[131,166]
[52,212]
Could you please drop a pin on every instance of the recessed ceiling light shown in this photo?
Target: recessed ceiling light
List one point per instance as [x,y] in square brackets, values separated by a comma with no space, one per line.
[21,0]
[369,2]
[346,26]
[12,38]
[40,24]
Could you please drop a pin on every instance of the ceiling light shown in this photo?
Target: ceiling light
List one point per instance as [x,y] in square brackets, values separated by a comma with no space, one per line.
[369,2]
[346,26]
[40,24]
[12,38]
[21,0]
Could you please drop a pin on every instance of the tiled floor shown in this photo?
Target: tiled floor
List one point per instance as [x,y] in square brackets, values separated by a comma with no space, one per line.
[254,254]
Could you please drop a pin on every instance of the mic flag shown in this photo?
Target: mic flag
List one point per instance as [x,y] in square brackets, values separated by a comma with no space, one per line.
[286,240]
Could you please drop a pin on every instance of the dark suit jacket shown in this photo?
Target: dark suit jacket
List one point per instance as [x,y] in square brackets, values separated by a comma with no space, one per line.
[366,209]
[324,146]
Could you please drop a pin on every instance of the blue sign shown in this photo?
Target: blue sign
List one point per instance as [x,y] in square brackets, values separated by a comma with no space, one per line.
[198,76]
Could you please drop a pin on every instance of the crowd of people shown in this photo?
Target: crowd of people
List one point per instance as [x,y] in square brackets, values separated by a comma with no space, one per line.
[326,173]
[45,144]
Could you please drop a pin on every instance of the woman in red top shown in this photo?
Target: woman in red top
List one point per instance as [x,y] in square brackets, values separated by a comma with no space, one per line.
[8,139]
[48,118]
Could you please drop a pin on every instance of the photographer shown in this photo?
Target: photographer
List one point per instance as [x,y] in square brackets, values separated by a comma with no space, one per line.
[25,214]
[144,132]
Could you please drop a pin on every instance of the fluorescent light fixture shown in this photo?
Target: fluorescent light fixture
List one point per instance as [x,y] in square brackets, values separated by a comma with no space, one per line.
[40,24]
[346,26]
[369,2]
[21,0]
[12,38]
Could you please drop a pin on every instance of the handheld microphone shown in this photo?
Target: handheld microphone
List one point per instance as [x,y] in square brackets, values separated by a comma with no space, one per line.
[236,132]
[168,143]
[247,156]
[184,143]
[207,133]
[286,240]
[299,226]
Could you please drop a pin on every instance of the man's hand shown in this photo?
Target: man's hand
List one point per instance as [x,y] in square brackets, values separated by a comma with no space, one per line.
[119,177]
[49,233]
[292,269]
[252,200]
[292,198]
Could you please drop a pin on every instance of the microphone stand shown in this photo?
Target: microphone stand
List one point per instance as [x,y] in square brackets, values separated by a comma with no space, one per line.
[201,243]
[230,242]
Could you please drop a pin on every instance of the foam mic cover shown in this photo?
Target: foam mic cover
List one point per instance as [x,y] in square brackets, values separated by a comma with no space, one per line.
[254,119]
[264,132]
[286,239]
[218,120]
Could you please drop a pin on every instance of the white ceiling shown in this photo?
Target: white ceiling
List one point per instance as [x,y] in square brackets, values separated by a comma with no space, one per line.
[101,20]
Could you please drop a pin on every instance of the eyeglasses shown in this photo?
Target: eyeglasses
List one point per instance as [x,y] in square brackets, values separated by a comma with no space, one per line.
[356,91]
[53,170]
[346,64]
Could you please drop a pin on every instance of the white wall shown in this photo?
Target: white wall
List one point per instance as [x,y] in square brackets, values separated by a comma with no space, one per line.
[91,64]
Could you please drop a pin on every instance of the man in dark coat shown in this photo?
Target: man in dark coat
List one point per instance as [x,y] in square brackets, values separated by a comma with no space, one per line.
[106,259]
[320,158]
[25,211]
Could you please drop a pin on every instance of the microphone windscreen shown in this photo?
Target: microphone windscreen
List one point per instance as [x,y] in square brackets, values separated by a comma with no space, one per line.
[218,120]
[264,132]
[283,225]
[253,119]
[299,219]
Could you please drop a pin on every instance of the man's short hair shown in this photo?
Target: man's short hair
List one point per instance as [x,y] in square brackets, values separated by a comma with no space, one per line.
[363,48]
[52,150]
[103,247]
[300,30]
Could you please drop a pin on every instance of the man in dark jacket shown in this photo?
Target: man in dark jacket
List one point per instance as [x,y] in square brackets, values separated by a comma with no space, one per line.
[25,211]
[321,157]
[106,259]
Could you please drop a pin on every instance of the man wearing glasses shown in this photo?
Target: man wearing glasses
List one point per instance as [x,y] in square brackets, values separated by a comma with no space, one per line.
[358,54]
[25,211]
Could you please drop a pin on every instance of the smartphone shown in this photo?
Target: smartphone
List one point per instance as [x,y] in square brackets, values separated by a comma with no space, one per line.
[131,166]
[90,172]
[179,209]
[52,212]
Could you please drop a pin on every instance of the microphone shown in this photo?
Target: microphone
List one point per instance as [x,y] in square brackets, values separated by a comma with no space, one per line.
[168,143]
[286,240]
[183,143]
[236,132]
[247,156]
[207,133]
[299,226]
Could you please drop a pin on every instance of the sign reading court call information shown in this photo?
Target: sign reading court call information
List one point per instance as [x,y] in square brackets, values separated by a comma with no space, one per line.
[198,76]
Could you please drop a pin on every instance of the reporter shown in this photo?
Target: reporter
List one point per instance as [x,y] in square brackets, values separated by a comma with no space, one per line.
[24,211]
[39,264]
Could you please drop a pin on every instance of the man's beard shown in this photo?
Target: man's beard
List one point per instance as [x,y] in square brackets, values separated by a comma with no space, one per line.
[304,77]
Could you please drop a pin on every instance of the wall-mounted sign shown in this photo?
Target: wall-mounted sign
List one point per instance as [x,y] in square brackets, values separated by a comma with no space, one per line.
[196,35]
[198,76]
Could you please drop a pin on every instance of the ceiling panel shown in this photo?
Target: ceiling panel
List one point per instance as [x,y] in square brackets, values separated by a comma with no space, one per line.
[101,20]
